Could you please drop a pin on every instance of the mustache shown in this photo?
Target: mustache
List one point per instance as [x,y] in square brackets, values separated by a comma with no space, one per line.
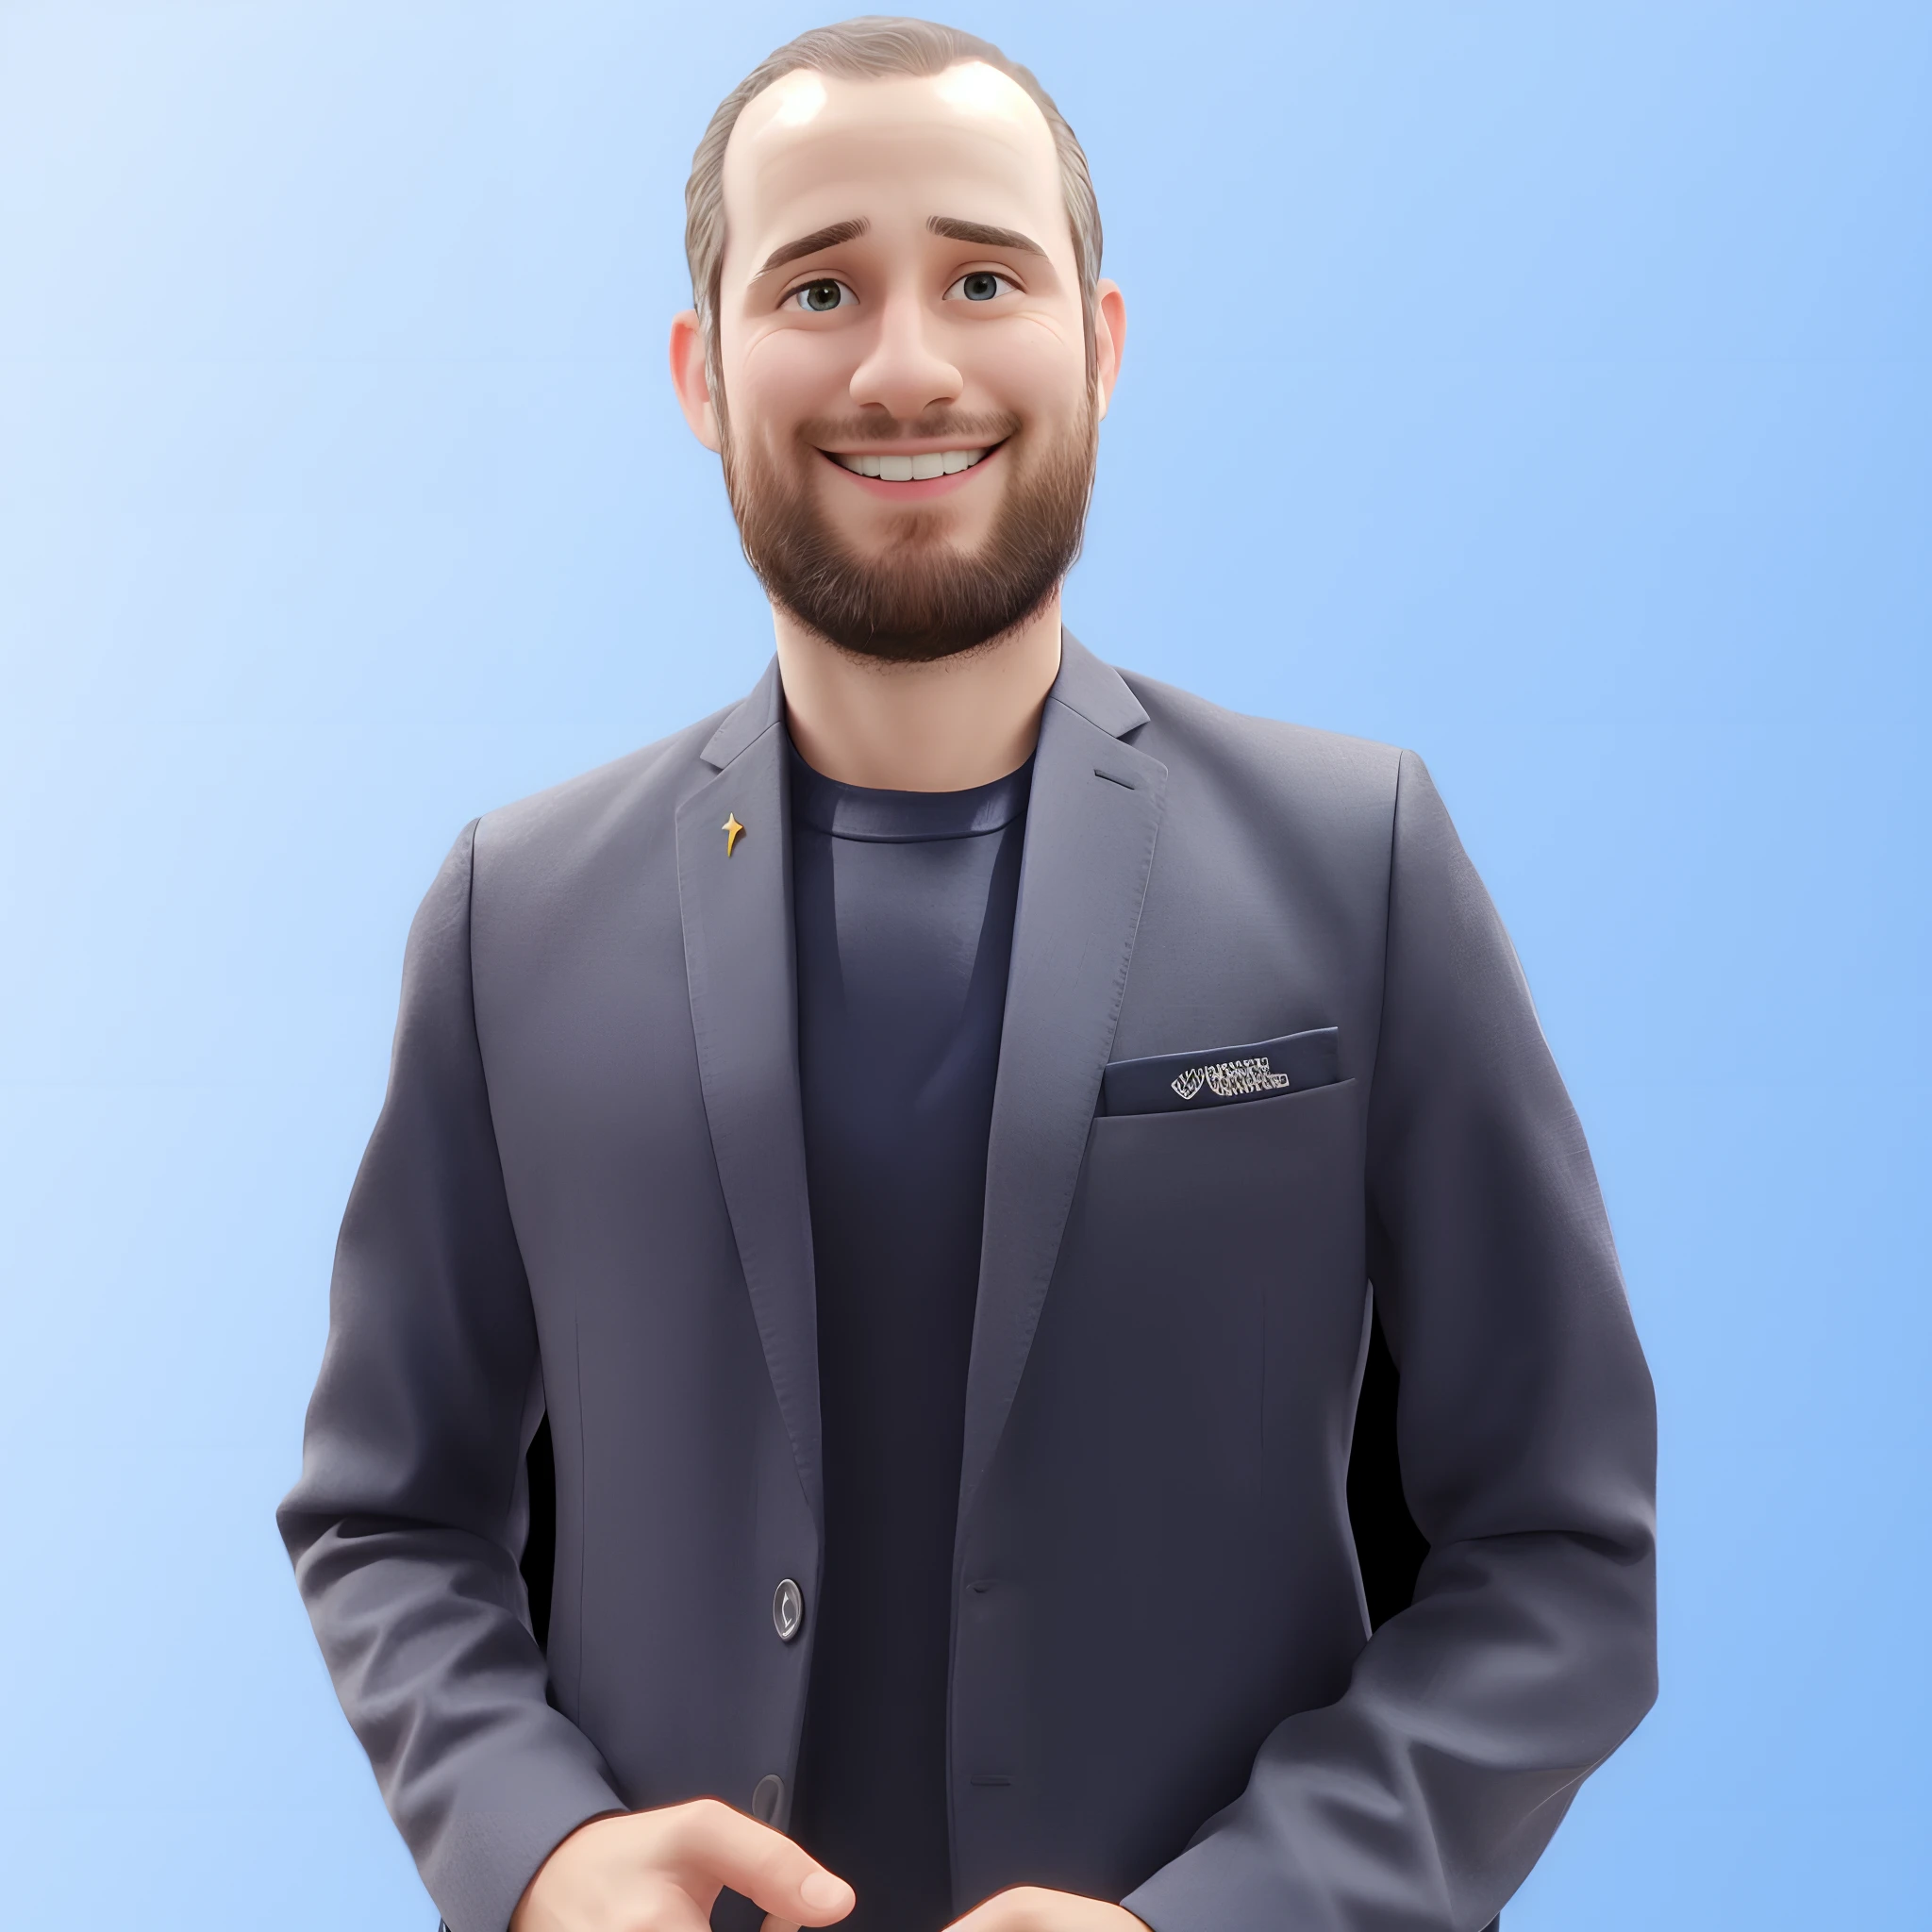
[985,428]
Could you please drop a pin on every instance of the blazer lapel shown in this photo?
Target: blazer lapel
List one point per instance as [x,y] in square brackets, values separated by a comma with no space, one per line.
[1091,827]
[735,896]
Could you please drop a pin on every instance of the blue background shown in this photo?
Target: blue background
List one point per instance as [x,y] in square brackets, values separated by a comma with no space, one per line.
[1546,388]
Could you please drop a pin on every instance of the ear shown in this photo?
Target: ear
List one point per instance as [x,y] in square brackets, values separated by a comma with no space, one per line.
[1110,337]
[691,378]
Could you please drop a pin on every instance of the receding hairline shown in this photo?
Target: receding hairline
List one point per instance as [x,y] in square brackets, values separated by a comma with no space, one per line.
[830,77]
[1035,115]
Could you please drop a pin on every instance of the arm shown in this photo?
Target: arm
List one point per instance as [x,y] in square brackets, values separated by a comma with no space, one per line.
[405,1525]
[1527,1437]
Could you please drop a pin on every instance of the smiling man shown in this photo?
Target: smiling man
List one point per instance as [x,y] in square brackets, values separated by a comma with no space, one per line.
[909,1216]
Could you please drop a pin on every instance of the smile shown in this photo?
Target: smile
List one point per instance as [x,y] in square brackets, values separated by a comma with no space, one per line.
[923,468]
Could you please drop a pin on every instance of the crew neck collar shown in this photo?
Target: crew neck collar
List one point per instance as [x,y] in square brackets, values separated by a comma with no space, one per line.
[904,818]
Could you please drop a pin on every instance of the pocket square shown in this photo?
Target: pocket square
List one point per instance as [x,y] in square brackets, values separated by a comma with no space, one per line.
[1179,1082]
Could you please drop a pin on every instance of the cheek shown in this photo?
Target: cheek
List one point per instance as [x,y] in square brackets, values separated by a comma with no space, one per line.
[784,377]
[1025,364]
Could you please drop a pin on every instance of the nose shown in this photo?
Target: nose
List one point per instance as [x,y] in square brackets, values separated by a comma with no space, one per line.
[903,372]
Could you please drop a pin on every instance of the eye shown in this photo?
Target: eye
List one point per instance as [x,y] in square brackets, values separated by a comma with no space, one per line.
[822,297]
[982,285]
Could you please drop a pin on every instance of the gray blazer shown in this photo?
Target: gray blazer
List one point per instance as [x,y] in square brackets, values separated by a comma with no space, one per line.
[586,1196]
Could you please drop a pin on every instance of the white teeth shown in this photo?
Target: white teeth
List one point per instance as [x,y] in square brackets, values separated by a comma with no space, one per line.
[919,469]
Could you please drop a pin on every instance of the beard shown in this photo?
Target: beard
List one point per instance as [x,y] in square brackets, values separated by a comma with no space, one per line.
[922,598]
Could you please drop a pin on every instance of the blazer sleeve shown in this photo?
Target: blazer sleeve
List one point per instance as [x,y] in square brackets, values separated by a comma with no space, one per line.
[407,1522]
[1526,1434]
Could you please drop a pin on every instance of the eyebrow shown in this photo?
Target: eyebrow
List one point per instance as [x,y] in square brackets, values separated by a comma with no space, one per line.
[811,244]
[956,230]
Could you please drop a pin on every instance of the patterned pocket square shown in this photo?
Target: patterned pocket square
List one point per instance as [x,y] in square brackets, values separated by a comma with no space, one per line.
[1179,1082]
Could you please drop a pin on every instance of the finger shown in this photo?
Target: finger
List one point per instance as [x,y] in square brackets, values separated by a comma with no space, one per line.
[1037,1908]
[781,1878]
[1012,1911]
[773,1924]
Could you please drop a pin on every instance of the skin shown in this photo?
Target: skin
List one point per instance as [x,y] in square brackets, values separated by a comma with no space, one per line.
[902,343]
[967,145]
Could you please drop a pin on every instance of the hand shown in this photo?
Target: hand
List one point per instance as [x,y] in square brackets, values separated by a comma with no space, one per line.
[663,1871]
[1033,1908]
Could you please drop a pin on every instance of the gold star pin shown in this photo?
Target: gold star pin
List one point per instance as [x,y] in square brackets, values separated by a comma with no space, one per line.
[731,829]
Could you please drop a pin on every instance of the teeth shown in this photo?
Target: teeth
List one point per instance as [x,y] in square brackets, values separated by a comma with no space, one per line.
[919,469]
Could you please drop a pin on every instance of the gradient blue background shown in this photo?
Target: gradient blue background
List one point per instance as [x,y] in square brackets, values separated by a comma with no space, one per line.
[1546,388]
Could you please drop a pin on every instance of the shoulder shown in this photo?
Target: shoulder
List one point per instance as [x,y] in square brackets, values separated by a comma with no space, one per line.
[1296,767]
[581,806]
[621,815]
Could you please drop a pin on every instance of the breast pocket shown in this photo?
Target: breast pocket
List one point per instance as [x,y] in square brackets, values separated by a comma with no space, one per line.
[1267,1189]
[1212,1275]
[1223,1076]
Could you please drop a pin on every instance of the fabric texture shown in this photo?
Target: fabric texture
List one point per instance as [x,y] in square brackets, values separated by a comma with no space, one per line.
[902,916]
[587,1197]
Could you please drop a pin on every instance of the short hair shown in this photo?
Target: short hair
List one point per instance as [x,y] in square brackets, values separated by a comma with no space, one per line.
[872,47]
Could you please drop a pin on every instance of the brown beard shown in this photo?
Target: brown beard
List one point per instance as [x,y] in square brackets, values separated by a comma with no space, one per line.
[923,599]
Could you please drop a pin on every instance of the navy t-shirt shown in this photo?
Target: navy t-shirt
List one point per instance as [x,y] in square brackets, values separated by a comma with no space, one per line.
[902,905]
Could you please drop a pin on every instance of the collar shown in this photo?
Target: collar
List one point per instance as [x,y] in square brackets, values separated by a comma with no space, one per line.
[1095,690]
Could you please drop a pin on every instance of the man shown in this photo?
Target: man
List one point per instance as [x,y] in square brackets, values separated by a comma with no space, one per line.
[919,1146]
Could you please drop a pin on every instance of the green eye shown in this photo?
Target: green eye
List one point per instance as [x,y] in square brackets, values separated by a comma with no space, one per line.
[820,296]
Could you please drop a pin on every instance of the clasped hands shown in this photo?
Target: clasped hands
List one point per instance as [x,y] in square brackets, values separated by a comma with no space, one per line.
[661,1870]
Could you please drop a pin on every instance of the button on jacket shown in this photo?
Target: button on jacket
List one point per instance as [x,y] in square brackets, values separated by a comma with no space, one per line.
[585,1198]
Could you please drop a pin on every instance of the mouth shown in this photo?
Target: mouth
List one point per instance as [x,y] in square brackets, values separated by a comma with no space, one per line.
[920,474]
[923,468]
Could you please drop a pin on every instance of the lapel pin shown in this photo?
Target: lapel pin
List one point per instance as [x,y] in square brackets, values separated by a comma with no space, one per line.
[732,830]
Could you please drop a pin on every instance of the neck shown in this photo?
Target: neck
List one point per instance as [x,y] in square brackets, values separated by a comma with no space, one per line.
[946,727]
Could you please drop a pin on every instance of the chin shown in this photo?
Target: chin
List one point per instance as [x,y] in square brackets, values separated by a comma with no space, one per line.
[903,532]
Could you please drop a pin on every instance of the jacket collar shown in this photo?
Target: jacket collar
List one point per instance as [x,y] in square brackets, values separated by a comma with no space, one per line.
[1092,823]
[747,720]
[1085,686]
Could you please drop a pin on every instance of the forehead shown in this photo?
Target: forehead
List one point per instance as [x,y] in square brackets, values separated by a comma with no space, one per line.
[814,148]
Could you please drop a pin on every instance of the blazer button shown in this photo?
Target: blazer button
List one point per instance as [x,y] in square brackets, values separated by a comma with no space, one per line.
[767,1799]
[787,1610]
